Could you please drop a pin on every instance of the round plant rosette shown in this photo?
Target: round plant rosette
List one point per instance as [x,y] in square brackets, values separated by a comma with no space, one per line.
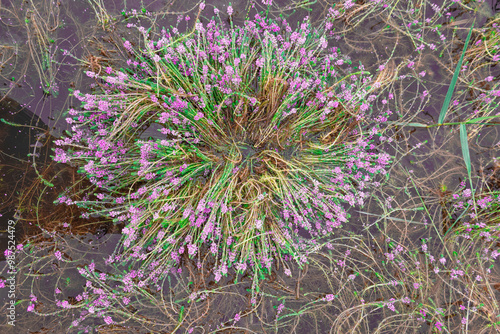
[246,142]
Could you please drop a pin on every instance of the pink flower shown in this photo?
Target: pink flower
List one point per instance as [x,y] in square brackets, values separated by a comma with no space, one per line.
[213,248]
[198,116]
[237,317]
[258,224]
[192,249]
[438,326]
[90,74]
[329,297]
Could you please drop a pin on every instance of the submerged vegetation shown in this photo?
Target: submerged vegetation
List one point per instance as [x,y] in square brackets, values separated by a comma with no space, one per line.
[318,167]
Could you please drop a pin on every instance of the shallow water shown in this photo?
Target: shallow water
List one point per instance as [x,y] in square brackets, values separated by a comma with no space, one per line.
[26,102]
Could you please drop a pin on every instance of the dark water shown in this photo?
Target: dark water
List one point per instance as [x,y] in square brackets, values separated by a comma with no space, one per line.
[34,97]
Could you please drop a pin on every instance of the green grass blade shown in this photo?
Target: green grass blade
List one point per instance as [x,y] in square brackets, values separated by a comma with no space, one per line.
[417,125]
[465,152]
[465,148]
[480,119]
[454,80]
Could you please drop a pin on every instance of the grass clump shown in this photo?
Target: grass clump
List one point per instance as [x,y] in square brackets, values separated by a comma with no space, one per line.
[243,141]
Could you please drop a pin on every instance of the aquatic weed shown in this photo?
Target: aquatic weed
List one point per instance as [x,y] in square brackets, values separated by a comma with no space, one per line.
[245,140]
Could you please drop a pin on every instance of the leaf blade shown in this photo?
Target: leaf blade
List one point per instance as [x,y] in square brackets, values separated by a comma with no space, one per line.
[465,148]
[451,87]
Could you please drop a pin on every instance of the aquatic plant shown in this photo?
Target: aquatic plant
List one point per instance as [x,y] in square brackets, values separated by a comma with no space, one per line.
[246,141]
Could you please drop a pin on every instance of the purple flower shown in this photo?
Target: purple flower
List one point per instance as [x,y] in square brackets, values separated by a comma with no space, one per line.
[329,297]
[439,326]
[199,116]
[192,249]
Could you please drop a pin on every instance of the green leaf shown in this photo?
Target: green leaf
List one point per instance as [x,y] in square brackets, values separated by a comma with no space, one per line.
[454,80]
[10,123]
[465,148]
[181,313]
[479,119]
[417,125]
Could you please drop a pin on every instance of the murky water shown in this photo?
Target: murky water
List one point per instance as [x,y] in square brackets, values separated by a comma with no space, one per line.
[36,75]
